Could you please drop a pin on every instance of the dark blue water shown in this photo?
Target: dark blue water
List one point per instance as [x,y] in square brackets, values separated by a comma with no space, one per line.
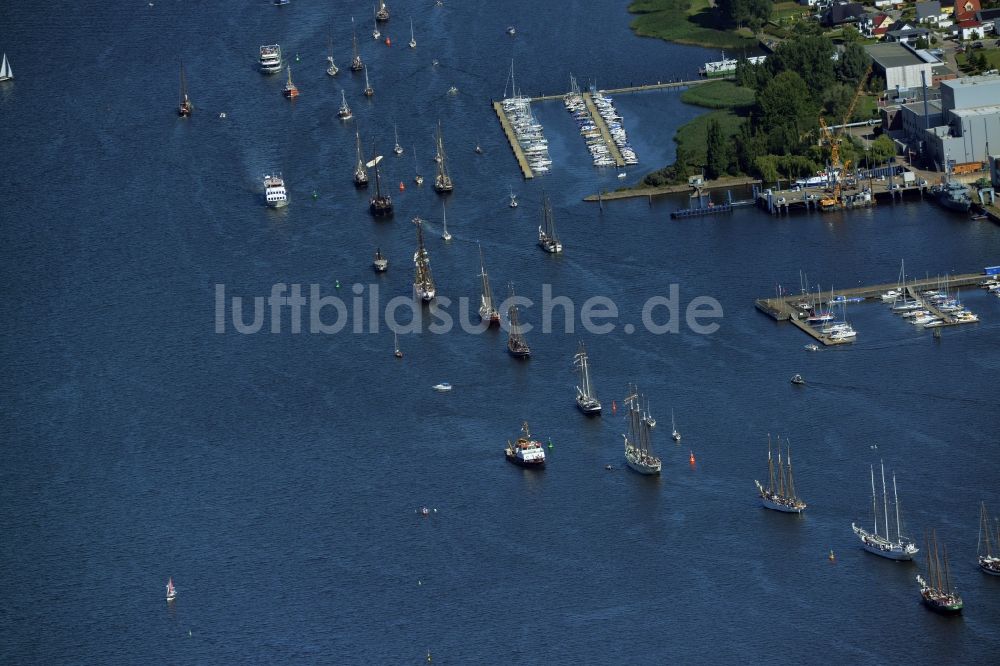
[276,476]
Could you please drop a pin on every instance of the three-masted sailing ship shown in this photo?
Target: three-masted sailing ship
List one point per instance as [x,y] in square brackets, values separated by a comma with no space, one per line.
[487,311]
[780,492]
[937,591]
[442,181]
[883,545]
[989,536]
[547,238]
[380,204]
[360,169]
[516,344]
[586,397]
[526,451]
[186,107]
[423,282]
[639,438]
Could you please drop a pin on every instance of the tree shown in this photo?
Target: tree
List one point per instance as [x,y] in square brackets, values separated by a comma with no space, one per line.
[882,149]
[785,110]
[717,151]
[740,12]
[836,100]
[810,57]
[853,64]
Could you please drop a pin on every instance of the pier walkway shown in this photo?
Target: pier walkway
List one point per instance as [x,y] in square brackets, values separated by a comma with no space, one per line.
[616,154]
[522,160]
[786,308]
[632,89]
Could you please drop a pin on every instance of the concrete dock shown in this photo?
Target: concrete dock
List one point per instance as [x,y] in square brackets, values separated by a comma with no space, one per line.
[870,192]
[786,308]
[616,154]
[522,160]
[632,89]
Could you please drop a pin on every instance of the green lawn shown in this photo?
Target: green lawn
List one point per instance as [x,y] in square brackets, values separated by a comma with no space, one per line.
[684,22]
[992,55]
[693,136]
[718,95]
[788,9]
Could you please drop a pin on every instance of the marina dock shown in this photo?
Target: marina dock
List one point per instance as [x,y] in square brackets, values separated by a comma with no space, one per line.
[522,160]
[803,199]
[786,308]
[616,154]
[632,89]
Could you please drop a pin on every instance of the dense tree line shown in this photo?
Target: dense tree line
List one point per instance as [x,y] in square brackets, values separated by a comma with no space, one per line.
[751,13]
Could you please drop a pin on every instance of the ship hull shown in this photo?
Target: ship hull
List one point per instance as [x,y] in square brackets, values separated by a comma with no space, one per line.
[589,408]
[959,206]
[277,204]
[990,566]
[942,607]
[512,458]
[889,551]
[380,210]
[643,468]
[778,506]
[518,353]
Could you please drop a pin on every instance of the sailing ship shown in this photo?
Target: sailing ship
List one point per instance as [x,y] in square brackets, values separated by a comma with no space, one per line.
[344,113]
[290,91]
[6,73]
[988,561]
[331,68]
[398,149]
[516,344]
[936,590]
[356,63]
[780,492]
[547,238]
[882,545]
[423,282]
[360,170]
[487,312]
[513,198]
[638,440]
[382,13]
[171,590]
[380,263]
[444,217]
[674,432]
[525,451]
[586,398]
[368,91]
[398,353]
[417,178]
[380,204]
[186,107]
[413,42]
[442,181]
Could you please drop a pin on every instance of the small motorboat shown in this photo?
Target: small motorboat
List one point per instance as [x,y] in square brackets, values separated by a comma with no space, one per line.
[797,379]
[812,347]
[609,467]
[453,90]
[443,386]
[511,31]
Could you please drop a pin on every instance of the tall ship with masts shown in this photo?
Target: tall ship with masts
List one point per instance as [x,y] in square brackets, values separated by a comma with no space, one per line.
[360,169]
[547,238]
[442,181]
[517,346]
[937,591]
[380,204]
[639,437]
[487,311]
[884,545]
[780,493]
[989,537]
[186,107]
[586,397]
[423,282]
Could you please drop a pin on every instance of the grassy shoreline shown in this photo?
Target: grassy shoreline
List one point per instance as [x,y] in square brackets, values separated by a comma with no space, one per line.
[688,22]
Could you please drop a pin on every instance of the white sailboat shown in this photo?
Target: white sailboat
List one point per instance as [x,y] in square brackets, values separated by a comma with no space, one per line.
[675,434]
[901,548]
[989,561]
[6,73]
[417,178]
[444,216]
[171,590]
[344,113]
[513,198]
[368,91]
[331,68]
[375,33]
[398,149]
[487,311]
[413,42]
[586,397]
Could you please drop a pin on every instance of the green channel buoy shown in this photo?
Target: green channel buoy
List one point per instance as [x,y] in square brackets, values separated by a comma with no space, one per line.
[337,284]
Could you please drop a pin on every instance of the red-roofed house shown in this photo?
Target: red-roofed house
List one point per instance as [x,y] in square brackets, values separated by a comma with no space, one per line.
[875,26]
[965,10]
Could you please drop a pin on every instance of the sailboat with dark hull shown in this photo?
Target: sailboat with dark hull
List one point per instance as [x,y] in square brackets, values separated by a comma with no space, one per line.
[487,311]
[186,107]
[382,13]
[516,344]
[423,282]
[586,397]
[442,181]
[780,492]
[989,536]
[883,545]
[360,170]
[937,591]
[547,238]
[639,437]
[380,205]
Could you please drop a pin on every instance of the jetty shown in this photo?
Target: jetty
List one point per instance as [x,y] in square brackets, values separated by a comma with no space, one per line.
[602,126]
[855,193]
[522,160]
[787,308]
[634,89]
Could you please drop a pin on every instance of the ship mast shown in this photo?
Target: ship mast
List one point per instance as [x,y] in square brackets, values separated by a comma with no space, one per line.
[791,483]
[895,499]
[487,292]
[947,572]
[781,472]
[885,498]
[770,467]
[874,506]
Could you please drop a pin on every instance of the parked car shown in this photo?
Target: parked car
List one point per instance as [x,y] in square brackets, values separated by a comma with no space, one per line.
[977,45]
